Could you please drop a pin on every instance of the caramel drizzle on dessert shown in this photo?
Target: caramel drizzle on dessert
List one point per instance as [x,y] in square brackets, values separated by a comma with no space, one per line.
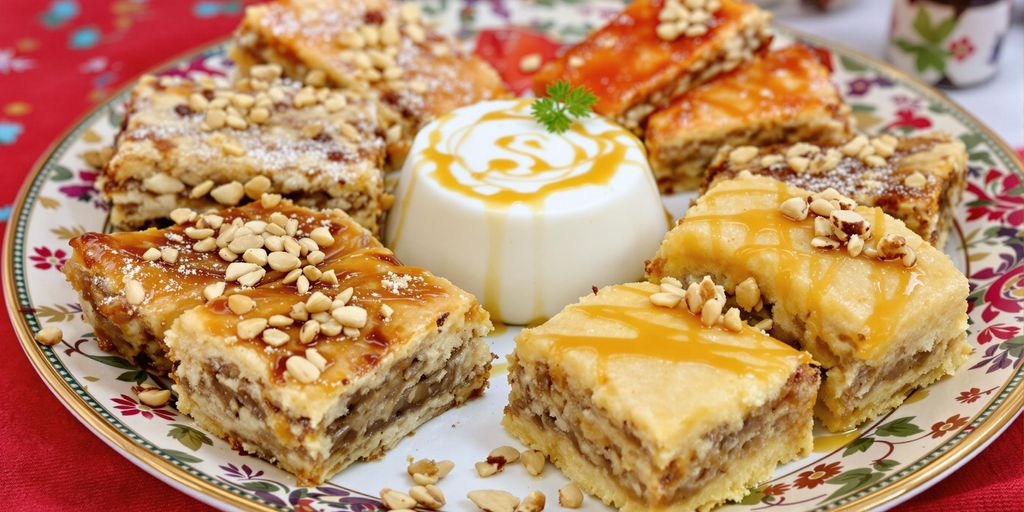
[769,232]
[506,182]
[678,337]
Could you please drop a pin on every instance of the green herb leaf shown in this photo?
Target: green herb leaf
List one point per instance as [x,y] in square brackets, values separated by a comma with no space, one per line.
[563,103]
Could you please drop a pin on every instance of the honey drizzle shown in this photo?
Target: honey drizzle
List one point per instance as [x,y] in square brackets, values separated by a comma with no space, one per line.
[822,266]
[676,336]
[445,156]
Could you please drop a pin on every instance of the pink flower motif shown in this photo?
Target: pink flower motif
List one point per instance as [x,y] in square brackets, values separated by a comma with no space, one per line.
[46,259]
[961,48]
[907,118]
[1003,205]
[130,407]
[998,331]
[1006,294]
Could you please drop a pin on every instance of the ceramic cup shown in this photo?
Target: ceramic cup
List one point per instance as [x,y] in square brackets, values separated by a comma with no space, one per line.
[949,43]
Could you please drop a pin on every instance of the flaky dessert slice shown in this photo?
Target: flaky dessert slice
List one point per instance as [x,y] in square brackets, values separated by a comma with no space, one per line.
[133,285]
[316,381]
[879,308]
[918,179]
[211,143]
[782,96]
[647,408]
[655,50]
[381,46]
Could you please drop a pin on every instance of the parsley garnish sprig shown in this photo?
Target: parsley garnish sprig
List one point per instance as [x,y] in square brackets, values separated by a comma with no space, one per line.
[562,104]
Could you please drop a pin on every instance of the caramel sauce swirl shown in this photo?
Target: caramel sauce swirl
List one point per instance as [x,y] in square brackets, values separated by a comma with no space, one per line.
[766,232]
[674,335]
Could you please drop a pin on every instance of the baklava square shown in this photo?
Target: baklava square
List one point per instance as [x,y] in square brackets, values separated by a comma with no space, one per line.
[918,179]
[133,285]
[877,306]
[635,68]
[782,96]
[292,334]
[210,143]
[599,388]
[382,46]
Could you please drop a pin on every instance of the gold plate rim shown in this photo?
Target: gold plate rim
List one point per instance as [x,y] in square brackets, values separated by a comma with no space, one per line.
[922,478]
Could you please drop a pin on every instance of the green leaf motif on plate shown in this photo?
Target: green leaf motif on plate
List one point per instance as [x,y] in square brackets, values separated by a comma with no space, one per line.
[899,428]
[182,457]
[60,173]
[861,444]
[753,498]
[259,486]
[853,480]
[885,465]
[136,376]
[851,64]
[192,439]
[116,362]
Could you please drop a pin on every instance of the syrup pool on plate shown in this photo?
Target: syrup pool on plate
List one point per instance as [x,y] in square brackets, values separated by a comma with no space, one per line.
[525,219]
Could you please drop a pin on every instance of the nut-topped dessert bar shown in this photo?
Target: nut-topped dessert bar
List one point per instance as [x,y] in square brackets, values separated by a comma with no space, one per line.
[655,50]
[597,389]
[918,179]
[209,143]
[381,46]
[293,334]
[782,96]
[133,285]
[879,308]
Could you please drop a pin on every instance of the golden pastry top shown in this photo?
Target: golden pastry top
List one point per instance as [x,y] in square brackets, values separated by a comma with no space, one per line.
[736,230]
[781,84]
[597,62]
[636,359]
[379,44]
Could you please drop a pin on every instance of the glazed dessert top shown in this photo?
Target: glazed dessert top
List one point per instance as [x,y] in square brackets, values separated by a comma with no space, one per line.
[597,62]
[784,83]
[496,153]
[637,359]
[886,171]
[853,300]
[303,137]
[172,267]
[380,44]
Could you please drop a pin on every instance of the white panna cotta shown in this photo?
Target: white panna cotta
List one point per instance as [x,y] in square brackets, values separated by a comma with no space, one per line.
[526,220]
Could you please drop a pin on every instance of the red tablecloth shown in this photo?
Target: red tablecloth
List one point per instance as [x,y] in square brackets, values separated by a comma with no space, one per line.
[58,59]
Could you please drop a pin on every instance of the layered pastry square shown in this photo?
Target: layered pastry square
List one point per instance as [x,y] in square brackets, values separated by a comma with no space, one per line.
[599,388]
[381,46]
[918,179]
[290,333]
[877,306]
[782,96]
[640,60]
[211,143]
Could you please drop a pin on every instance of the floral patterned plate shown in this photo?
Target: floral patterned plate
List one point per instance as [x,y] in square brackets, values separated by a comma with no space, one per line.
[885,461]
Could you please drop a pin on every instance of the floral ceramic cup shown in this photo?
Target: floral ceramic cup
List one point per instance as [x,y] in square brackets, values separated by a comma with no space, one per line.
[949,43]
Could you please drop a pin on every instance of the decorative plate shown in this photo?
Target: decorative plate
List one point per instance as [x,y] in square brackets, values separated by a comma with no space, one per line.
[885,461]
